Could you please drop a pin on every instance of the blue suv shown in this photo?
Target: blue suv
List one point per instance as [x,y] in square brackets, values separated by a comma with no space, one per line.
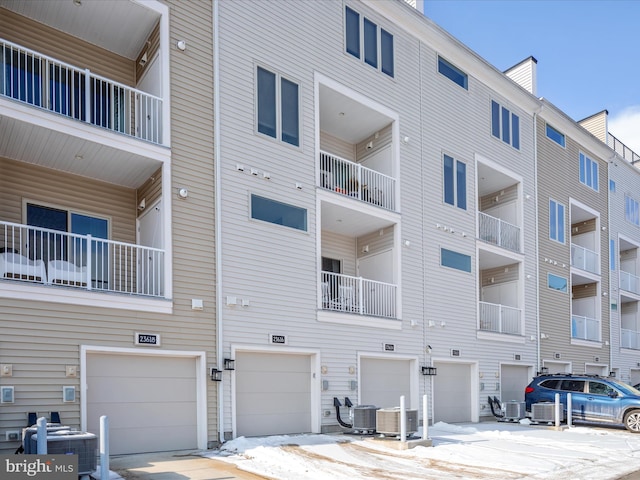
[594,399]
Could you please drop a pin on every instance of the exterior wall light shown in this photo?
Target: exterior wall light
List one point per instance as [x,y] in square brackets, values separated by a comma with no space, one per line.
[429,371]
[229,364]
[216,375]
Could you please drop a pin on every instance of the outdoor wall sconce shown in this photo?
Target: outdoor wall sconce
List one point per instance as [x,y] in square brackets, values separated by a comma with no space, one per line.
[612,374]
[216,375]
[229,364]
[543,371]
[429,371]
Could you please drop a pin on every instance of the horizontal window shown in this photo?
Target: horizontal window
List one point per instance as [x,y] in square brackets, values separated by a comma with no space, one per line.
[279,213]
[554,282]
[555,135]
[451,259]
[453,73]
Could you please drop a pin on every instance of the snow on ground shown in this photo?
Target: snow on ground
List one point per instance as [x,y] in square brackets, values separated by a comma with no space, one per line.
[471,451]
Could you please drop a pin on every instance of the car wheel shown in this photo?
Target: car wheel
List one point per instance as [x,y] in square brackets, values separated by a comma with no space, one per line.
[632,421]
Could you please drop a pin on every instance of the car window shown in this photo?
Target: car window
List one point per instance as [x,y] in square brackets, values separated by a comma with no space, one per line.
[552,384]
[600,388]
[573,385]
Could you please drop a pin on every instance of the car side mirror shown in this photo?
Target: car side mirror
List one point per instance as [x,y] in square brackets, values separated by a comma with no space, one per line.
[613,394]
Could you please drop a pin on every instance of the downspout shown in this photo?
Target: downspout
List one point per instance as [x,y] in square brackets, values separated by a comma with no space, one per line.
[610,298]
[217,209]
[537,256]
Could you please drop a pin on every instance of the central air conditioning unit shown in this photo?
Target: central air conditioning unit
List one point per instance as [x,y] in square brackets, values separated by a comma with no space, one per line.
[546,412]
[514,410]
[67,442]
[364,418]
[388,421]
[28,432]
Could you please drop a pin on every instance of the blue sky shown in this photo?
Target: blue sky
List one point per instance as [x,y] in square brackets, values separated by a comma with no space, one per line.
[588,51]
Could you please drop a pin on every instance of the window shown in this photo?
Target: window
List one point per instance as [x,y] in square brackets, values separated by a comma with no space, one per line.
[453,73]
[279,213]
[600,388]
[555,135]
[505,125]
[612,254]
[449,258]
[377,54]
[612,186]
[631,210]
[555,282]
[556,221]
[588,172]
[455,182]
[278,99]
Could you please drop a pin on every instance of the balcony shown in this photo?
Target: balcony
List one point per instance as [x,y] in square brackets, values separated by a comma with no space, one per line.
[585,328]
[585,259]
[498,232]
[358,296]
[356,181]
[41,256]
[629,282]
[500,318]
[46,83]
[630,339]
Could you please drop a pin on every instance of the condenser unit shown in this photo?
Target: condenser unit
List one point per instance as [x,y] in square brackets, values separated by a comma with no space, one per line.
[28,432]
[514,410]
[546,412]
[364,418]
[85,445]
[388,421]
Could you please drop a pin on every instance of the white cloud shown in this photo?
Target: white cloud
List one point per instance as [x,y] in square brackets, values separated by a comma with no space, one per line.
[625,126]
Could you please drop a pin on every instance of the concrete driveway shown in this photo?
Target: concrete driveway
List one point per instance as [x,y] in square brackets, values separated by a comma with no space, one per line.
[182,465]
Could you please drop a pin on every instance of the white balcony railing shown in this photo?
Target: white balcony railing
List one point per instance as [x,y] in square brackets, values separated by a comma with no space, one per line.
[585,328]
[585,259]
[50,257]
[354,180]
[498,232]
[343,293]
[500,318]
[44,82]
[630,339]
[629,282]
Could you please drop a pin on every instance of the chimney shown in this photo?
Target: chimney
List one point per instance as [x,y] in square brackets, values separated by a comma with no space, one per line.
[524,74]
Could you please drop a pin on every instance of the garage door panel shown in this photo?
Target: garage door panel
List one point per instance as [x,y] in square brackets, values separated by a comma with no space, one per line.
[273,393]
[452,393]
[384,381]
[150,401]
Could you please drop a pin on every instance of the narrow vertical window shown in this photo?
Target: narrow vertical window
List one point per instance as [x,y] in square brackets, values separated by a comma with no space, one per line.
[455,182]
[449,189]
[556,221]
[495,119]
[461,185]
[612,254]
[370,43]
[352,32]
[266,102]
[386,52]
[506,136]
[515,131]
[290,112]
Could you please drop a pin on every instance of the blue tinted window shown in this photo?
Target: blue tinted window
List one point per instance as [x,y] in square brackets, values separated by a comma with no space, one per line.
[555,135]
[588,172]
[515,131]
[612,186]
[370,43]
[612,254]
[506,136]
[455,182]
[449,258]
[449,188]
[556,221]
[452,73]
[461,184]
[495,119]
[266,102]
[555,282]
[290,113]
[386,52]
[631,210]
[279,213]
[352,32]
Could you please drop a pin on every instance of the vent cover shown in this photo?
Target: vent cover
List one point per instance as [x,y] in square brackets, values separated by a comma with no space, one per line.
[517,356]
[388,421]
[455,352]
[556,356]
[546,412]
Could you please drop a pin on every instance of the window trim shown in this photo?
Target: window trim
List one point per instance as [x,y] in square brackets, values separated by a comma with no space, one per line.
[510,128]
[564,226]
[632,217]
[279,118]
[442,61]
[263,220]
[566,283]
[361,52]
[453,252]
[586,166]
[455,182]
[562,142]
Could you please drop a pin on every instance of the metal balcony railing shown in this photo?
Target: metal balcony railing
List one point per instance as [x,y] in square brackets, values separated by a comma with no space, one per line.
[629,282]
[622,150]
[498,232]
[585,328]
[44,82]
[357,295]
[585,259]
[500,318]
[630,339]
[50,257]
[354,180]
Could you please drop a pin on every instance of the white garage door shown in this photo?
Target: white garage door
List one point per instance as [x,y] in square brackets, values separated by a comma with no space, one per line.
[150,401]
[452,393]
[384,381]
[273,394]
[513,380]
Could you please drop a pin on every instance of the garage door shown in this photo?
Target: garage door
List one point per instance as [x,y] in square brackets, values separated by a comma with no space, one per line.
[384,381]
[513,380]
[273,394]
[452,393]
[150,401]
